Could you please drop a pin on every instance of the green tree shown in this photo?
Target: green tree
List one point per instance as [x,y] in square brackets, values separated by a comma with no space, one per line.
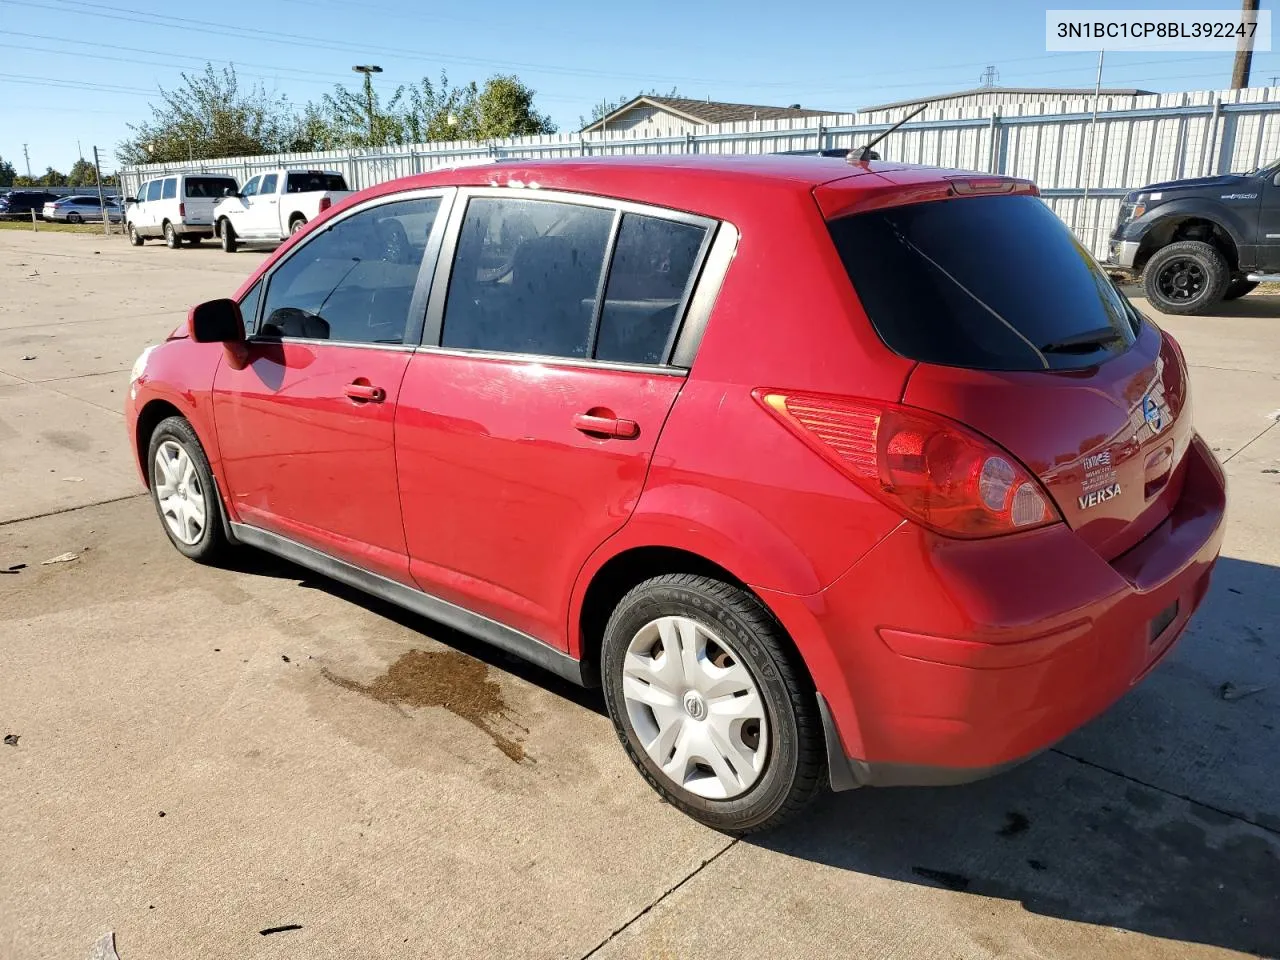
[7,173]
[437,111]
[23,180]
[504,108]
[52,178]
[82,174]
[355,118]
[211,116]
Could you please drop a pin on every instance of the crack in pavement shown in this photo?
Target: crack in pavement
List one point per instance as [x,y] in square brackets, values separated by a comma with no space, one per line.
[1234,815]
[82,506]
[1265,430]
[698,869]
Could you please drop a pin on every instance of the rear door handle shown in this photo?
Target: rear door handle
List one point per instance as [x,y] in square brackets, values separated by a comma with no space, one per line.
[606,426]
[365,392]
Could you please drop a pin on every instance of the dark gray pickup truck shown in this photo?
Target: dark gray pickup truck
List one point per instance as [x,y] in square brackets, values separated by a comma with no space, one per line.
[1198,242]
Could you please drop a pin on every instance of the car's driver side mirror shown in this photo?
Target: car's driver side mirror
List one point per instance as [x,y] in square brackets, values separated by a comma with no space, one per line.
[216,321]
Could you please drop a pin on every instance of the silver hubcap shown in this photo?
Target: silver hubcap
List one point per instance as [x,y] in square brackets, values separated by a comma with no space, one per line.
[695,708]
[179,492]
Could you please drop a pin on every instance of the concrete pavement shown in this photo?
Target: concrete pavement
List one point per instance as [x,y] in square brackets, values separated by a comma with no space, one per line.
[292,735]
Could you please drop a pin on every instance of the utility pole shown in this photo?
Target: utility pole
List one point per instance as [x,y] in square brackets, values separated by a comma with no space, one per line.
[989,76]
[102,201]
[368,70]
[1088,143]
[27,156]
[1244,47]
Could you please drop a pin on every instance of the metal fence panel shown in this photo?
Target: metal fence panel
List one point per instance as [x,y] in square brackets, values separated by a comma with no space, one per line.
[1083,167]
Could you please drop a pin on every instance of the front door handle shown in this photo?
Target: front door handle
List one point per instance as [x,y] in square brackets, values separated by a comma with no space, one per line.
[363,392]
[605,426]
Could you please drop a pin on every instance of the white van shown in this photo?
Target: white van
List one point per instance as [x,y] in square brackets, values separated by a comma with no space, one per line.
[177,207]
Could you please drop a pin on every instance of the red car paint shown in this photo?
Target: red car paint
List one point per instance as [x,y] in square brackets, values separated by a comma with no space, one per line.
[474,480]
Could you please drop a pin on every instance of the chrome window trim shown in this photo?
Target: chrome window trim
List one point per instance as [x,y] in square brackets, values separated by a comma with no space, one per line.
[421,287]
[678,343]
[551,360]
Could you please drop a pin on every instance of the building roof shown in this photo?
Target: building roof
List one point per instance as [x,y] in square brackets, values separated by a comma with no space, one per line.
[710,111]
[1067,92]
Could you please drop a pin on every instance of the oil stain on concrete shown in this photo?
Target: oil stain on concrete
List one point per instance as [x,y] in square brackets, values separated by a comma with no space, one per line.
[442,678]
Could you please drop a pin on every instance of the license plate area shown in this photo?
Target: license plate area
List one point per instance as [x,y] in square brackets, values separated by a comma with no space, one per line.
[1161,622]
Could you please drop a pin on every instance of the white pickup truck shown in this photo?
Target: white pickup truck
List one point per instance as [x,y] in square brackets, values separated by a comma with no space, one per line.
[274,205]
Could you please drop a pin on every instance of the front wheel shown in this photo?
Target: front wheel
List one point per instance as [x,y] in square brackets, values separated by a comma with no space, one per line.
[171,239]
[1238,287]
[227,233]
[184,492]
[134,237]
[1186,277]
[712,703]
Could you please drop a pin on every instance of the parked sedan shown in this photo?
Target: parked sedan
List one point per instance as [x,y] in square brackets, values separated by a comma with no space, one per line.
[18,204]
[81,210]
[826,472]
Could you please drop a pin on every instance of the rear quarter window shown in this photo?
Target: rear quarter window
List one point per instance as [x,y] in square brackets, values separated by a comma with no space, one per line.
[994,283]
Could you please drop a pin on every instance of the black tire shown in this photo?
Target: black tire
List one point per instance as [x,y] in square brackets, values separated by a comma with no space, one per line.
[171,238]
[212,544]
[1238,287]
[134,236]
[74,217]
[1186,277]
[794,769]
[227,234]
[296,224]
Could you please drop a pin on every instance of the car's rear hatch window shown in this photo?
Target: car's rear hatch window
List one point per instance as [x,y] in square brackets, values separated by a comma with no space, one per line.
[1022,337]
[989,283]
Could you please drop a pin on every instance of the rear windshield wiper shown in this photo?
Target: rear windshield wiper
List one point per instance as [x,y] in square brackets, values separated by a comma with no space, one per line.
[1083,342]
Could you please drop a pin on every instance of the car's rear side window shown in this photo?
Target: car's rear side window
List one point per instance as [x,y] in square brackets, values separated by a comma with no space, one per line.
[995,283]
[526,277]
[208,187]
[170,189]
[269,183]
[653,262]
[153,190]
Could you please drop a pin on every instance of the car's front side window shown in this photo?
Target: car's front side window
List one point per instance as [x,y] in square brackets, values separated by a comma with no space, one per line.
[355,280]
[525,277]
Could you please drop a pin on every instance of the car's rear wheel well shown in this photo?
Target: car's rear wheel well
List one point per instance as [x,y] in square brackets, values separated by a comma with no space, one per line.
[1187,228]
[632,567]
[151,416]
[295,217]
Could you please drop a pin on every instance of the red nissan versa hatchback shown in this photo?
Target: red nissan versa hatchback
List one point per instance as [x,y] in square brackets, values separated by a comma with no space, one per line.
[825,472]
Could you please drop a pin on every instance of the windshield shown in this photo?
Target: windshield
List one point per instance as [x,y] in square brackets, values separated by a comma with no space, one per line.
[993,283]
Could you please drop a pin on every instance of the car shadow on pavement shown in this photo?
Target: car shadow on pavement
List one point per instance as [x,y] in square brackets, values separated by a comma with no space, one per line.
[259,563]
[1161,817]
[1252,305]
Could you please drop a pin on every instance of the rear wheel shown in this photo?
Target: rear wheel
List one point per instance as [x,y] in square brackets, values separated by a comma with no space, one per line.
[296,224]
[74,217]
[171,238]
[1238,287]
[712,703]
[227,234]
[1186,277]
[184,492]
[134,237]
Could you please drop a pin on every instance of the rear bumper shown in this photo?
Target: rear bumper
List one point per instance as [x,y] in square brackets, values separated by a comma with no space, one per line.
[955,660]
[193,229]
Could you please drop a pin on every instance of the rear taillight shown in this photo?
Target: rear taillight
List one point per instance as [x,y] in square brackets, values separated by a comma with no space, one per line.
[182,210]
[325,203]
[929,468]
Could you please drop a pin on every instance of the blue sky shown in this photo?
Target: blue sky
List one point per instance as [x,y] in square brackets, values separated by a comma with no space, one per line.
[82,69]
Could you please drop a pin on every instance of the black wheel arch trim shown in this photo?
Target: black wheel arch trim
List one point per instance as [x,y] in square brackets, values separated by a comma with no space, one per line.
[417,601]
[850,773]
[1236,226]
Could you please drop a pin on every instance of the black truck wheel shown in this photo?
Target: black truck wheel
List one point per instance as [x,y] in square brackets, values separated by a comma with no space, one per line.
[1186,277]
[1238,287]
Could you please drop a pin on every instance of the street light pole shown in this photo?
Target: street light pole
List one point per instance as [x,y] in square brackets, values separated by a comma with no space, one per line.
[368,70]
